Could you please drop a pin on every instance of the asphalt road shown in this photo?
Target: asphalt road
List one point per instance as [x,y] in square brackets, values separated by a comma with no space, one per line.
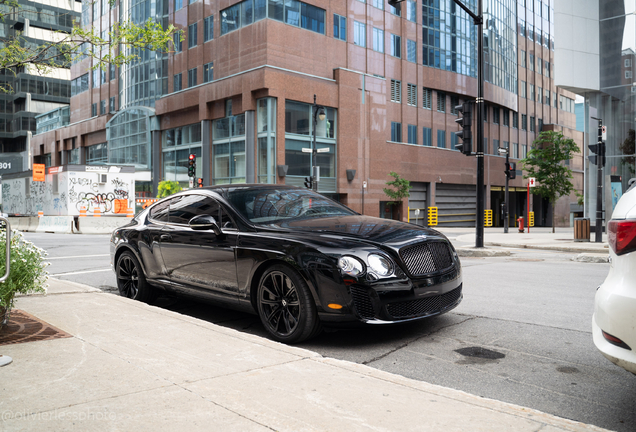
[521,335]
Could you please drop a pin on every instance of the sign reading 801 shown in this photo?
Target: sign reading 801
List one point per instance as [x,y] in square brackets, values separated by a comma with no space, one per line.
[5,165]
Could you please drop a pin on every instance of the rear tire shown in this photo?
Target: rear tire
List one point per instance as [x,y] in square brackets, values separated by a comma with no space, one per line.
[131,280]
[286,306]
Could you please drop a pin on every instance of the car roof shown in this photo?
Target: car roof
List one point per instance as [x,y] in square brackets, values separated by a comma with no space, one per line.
[224,189]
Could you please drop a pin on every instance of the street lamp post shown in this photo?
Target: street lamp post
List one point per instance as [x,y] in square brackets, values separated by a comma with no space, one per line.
[317,112]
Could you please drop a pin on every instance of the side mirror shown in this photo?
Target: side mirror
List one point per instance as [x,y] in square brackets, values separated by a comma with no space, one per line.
[205,222]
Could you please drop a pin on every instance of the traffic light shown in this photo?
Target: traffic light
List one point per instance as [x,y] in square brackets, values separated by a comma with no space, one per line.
[511,170]
[192,165]
[598,158]
[465,121]
[200,182]
[309,182]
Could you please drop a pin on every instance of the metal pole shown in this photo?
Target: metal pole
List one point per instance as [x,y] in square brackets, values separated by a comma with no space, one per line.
[479,238]
[598,229]
[506,196]
[314,152]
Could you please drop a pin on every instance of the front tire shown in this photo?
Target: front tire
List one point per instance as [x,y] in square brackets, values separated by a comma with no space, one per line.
[131,280]
[285,306]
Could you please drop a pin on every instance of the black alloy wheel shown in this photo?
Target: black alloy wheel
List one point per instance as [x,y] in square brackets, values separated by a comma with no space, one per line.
[131,280]
[286,306]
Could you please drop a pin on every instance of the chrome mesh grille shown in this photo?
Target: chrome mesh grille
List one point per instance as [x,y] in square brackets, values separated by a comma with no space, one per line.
[424,306]
[425,258]
[362,303]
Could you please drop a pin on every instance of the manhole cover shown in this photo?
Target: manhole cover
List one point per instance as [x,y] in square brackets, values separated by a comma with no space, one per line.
[23,327]
[526,259]
[481,353]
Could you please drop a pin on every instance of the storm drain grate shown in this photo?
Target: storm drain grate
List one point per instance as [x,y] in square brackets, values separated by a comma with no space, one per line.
[23,327]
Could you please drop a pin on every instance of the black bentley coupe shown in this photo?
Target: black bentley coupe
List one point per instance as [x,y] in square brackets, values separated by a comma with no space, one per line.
[296,258]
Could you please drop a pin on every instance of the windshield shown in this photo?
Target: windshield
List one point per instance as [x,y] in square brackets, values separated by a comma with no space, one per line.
[272,206]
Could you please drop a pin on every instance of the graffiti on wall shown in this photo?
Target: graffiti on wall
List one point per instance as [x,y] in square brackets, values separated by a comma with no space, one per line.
[17,199]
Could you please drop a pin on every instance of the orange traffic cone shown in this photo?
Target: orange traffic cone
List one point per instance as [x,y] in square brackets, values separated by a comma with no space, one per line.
[97,212]
[40,213]
[82,212]
[130,212]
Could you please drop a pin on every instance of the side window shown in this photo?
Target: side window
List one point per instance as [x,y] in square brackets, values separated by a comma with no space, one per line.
[159,212]
[186,207]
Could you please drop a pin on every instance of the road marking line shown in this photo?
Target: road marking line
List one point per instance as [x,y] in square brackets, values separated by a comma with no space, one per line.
[78,256]
[80,272]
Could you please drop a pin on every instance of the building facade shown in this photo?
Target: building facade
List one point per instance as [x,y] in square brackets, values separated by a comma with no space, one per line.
[238,90]
[26,91]
[607,83]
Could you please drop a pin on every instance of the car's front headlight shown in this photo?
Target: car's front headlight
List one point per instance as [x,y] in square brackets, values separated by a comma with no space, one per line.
[380,265]
[350,266]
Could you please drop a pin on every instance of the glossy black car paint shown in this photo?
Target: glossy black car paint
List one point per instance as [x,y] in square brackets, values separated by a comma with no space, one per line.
[228,268]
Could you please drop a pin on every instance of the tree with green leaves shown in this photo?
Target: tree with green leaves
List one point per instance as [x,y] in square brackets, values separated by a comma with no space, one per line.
[546,162]
[401,190]
[167,188]
[627,148]
[120,45]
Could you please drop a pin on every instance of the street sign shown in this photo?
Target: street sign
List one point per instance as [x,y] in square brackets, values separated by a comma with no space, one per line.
[502,150]
[323,150]
[604,133]
[38,172]
[364,184]
[417,212]
[532,181]
[306,150]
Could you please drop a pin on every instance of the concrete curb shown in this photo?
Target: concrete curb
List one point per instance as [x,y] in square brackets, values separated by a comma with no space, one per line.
[465,252]
[547,247]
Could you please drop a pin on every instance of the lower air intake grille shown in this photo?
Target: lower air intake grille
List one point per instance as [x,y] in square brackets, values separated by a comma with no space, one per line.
[425,306]
[362,303]
[426,258]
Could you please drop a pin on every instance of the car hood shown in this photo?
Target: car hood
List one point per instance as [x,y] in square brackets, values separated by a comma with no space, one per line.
[361,228]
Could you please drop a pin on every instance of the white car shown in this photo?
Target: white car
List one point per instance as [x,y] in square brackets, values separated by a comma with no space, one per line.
[614,320]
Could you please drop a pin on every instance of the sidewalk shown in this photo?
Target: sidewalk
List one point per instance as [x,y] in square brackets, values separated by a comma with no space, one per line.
[133,367]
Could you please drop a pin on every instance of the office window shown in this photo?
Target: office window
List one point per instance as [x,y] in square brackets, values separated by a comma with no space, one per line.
[378,4]
[192,35]
[539,94]
[495,146]
[539,65]
[95,80]
[515,120]
[506,117]
[411,94]
[359,34]
[495,115]
[378,40]
[208,28]
[411,51]
[427,96]
[628,63]
[453,140]
[522,27]
[339,27]
[411,10]
[192,77]
[524,122]
[396,91]
[531,124]
[547,69]
[427,137]
[397,10]
[515,151]
[412,134]
[441,102]
[178,43]
[522,89]
[531,96]
[111,104]
[531,62]
[178,82]
[441,138]
[396,46]
[522,58]
[112,72]
[628,74]
[208,72]
[506,145]
[554,98]
[524,151]
[540,125]
[94,110]
[178,4]
[102,107]
[485,113]
[396,132]
[454,101]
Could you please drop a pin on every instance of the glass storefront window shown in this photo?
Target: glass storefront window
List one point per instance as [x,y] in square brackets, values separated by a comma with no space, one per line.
[229,150]
[266,140]
[178,144]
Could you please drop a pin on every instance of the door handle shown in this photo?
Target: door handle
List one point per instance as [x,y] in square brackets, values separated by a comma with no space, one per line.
[165,237]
